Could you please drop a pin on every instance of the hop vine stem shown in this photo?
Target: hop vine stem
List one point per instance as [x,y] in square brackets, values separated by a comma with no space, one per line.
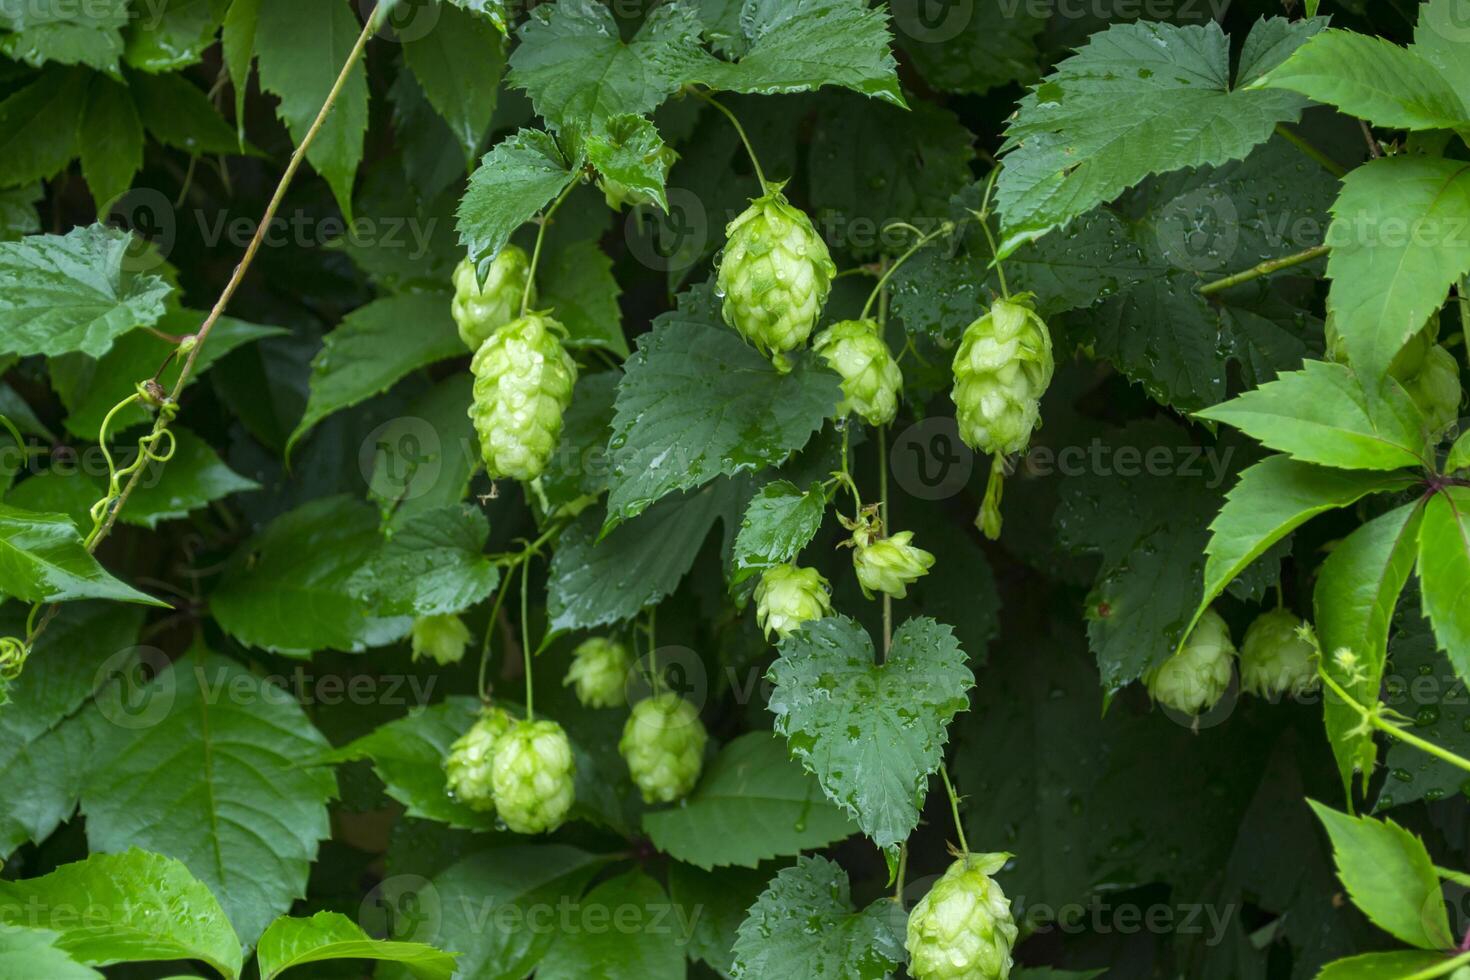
[1266,268]
[760,174]
[1374,719]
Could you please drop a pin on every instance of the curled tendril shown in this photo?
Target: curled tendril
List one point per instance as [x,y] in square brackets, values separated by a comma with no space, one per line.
[12,657]
[148,393]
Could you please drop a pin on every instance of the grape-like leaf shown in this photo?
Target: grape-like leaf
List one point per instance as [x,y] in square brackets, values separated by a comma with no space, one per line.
[576,281]
[1423,682]
[972,48]
[54,30]
[38,126]
[780,520]
[173,37]
[111,138]
[289,942]
[42,559]
[26,952]
[432,564]
[519,177]
[458,62]
[178,114]
[645,948]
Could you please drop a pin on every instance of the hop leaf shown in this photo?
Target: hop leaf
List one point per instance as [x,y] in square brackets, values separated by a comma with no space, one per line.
[871,379]
[788,596]
[531,776]
[889,564]
[1194,679]
[1436,389]
[663,744]
[1275,659]
[599,669]
[775,276]
[467,768]
[1001,369]
[441,639]
[963,928]
[478,310]
[523,385]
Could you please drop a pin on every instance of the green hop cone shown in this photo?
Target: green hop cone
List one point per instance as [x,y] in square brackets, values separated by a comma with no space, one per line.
[663,744]
[441,639]
[532,777]
[789,596]
[1275,659]
[871,379]
[1001,369]
[889,564]
[467,767]
[963,928]
[1436,389]
[478,310]
[1193,680]
[774,276]
[599,669]
[523,385]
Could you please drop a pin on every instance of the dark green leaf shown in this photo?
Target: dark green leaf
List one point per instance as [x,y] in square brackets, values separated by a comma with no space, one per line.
[779,521]
[290,942]
[73,34]
[179,115]
[576,282]
[459,61]
[111,141]
[38,126]
[173,36]
[433,563]
[42,560]
[514,181]
[647,947]
[1444,572]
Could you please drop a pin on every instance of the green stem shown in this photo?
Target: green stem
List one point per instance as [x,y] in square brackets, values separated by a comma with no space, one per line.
[943,229]
[1323,160]
[760,174]
[954,809]
[984,217]
[1265,269]
[1373,719]
[541,237]
[490,631]
[1464,302]
[883,514]
[526,640]
[903,869]
[1440,970]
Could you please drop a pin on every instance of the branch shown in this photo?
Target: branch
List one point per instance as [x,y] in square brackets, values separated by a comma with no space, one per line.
[1264,269]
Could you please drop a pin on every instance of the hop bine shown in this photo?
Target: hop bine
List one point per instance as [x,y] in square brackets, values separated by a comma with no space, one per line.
[871,379]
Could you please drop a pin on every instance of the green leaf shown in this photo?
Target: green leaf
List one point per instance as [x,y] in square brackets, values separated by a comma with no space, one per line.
[872,733]
[579,73]
[1371,78]
[139,907]
[1444,572]
[1357,589]
[179,115]
[1068,153]
[779,521]
[648,947]
[111,141]
[433,563]
[629,150]
[33,953]
[804,924]
[1321,415]
[802,45]
[237,48]
[752,804]
[720,898]
[214,779]
[373,348]
[175,36]
[287,589]
[1423,683]
[42,559]
[73,292]
[74,34]
[576,282]
[38,126]
[1398,244]
[697,402]
[301,48]
[290,942]
[1459,455]
[1440,38]
[1389,876]
[579,465]
[1383,966]
[458,62]
[422,461]
[192,478]
[515,180]
[18,216]
[973,50]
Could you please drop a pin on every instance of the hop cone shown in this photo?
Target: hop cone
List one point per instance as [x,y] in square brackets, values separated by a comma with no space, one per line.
[1274,659]
[889,564]
[467,767]
[441,639]
[1194,679]
[1001,370]
[789,596]
[523,384]
[480,311]
[774,276]
[1436,389]
[599,669]
[663,744]
[532,777]
[871,379]
[963,928]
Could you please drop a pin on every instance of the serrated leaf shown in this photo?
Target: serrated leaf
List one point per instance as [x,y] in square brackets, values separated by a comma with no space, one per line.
[871,732]
[38,126]
[722,898]
[193,477]
[423,460]
[1321,415]
[696,401]
[1383,966]
[175,36]
[1389,876]
[804,924]
[18,216]
[42,559]
[237,50]
[579,465]
[1358,587]
[458,62]
[1399,242]
[33,953]
[433,563]
[215,780]
[519,177]
[1440,38]
[111,141]
[1067,152]
[300,49]
[73,292]
[647,949]
[780,520]
[289,942]
[577,283]
[73,34]
[973,50]
[373,348]
[178,114]
[752,804]
[629,150]
[140,906]
[1459,455]
[286,589]
[1423,682]
[1444,572]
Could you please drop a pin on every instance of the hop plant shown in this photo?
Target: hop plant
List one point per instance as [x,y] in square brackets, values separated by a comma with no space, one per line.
[599,669]
[1194,679]
[890,564]
[774,276]
[963,928]
[663,744]
[1275,658]
[467,767]
[871,379]
[523,385]
[1436,389]
[1408,362]
[789,596]
[618,194]
[441,639]
[532,777]
[1001,369]
[478,310]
